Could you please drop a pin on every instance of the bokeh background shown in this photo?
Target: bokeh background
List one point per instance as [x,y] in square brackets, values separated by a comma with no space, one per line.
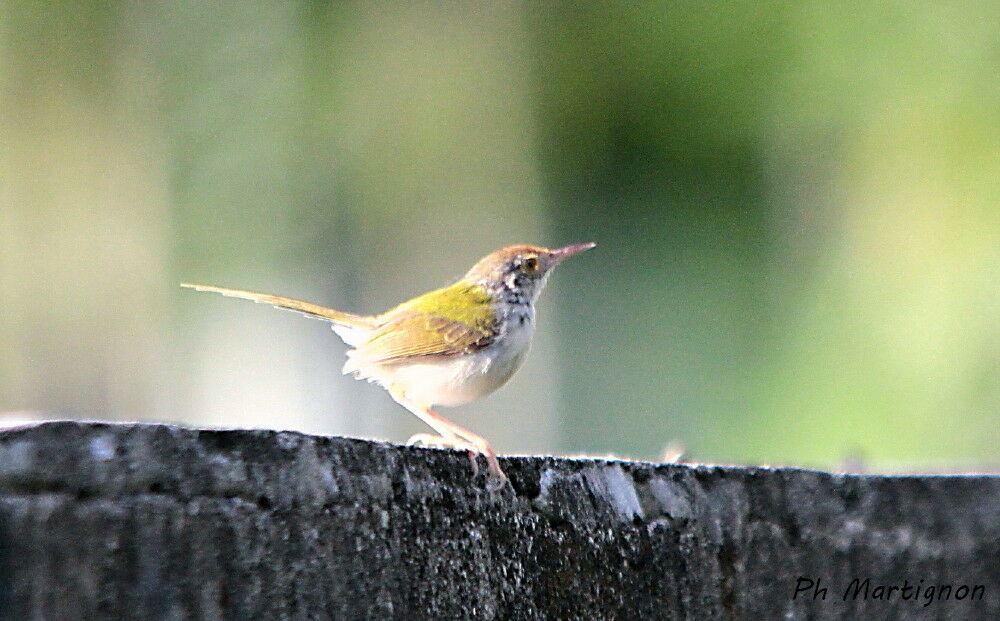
[797,208]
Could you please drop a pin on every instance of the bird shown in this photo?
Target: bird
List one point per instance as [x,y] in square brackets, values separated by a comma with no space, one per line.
[446,347]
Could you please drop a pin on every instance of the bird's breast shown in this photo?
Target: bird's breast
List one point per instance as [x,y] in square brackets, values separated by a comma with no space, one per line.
[517,326]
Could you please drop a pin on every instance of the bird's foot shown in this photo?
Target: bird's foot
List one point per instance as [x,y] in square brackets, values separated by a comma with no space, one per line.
[429,439]
[497,478]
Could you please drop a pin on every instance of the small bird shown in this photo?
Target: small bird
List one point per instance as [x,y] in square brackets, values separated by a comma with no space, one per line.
[446,347]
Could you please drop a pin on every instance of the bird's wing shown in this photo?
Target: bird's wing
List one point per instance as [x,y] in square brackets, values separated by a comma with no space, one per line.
[452,320]
[408,335]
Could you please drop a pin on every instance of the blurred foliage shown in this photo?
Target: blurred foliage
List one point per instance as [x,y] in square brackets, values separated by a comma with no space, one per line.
[796,206]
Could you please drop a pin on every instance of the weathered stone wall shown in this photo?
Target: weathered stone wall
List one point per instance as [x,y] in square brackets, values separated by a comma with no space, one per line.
[105,521]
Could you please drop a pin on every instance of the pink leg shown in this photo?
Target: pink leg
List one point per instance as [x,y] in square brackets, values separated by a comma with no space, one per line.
[454,435]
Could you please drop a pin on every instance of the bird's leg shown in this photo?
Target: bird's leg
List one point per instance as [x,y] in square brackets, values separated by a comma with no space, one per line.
[453,435]
[446,441]
[483,448]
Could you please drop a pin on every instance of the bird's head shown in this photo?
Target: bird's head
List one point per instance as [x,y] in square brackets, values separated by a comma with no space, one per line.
[520,271]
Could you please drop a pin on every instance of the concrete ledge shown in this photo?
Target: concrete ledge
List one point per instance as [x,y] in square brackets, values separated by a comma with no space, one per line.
[105,521]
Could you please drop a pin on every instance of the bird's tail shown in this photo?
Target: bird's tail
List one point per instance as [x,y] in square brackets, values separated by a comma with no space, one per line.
[337,317]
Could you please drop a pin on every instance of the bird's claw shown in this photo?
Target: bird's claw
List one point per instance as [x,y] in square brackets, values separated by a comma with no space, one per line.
[496,477]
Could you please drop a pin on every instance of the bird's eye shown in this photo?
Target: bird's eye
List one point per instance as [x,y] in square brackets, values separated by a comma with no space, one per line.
[531,264]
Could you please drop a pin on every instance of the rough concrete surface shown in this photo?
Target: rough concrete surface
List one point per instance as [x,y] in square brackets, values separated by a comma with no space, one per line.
[152,521]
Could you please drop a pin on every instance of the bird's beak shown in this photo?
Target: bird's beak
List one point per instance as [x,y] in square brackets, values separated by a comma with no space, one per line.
[561,253]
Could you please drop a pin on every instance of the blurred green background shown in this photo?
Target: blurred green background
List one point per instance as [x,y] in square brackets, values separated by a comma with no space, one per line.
[797,208]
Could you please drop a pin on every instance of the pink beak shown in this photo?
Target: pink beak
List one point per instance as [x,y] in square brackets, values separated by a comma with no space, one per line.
[561,253]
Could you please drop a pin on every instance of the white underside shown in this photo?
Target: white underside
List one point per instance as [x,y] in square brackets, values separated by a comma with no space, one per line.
[452,380]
